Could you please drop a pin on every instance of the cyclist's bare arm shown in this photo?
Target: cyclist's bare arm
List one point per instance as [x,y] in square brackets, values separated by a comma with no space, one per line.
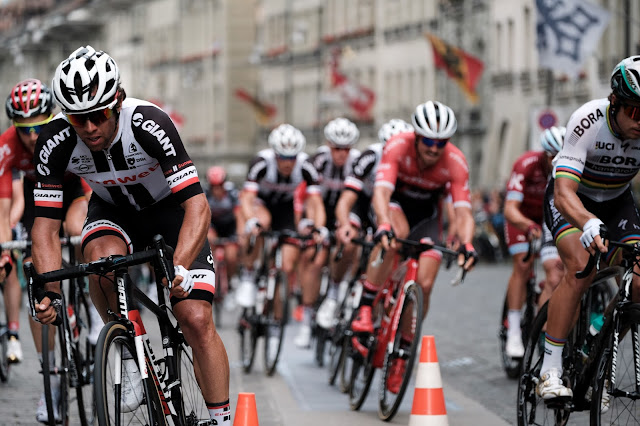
[465,227]
[5,232]
[315,210]
[247,201]
[380,201]
[47,256]
[17,202]
[193,233]
[515,217]
[345,203]
[565,197]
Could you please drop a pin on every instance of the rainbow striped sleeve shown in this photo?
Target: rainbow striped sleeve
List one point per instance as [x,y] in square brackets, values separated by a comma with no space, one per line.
[568,172]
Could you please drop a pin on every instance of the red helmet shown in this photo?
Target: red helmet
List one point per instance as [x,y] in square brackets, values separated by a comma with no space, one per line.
[216,175]
[29,98]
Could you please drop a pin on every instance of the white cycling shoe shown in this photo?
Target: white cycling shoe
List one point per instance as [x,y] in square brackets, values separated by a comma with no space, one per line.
[14,350]
[246,294]
[326,313]
[551,386]
[42,415]
[132,392]
[303,339]
[514,347]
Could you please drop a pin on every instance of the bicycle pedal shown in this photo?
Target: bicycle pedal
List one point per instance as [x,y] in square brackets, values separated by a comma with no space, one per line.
[559,403]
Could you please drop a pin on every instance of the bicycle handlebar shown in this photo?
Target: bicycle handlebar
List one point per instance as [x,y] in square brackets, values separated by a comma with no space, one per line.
[594,259]
[160,252]
[23,244]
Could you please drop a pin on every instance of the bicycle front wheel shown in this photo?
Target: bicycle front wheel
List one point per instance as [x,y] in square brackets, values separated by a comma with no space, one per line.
[122,396]
[82,351]
[4,361]
[190,404]
[615,397]
[55,369]
[275,314]
[401,356]
[531,409]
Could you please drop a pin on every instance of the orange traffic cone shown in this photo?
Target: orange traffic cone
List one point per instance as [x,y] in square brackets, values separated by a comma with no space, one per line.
[428,400]
[246,411]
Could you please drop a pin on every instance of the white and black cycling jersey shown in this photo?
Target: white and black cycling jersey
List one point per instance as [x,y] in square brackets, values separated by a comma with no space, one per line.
[332,177]
[595,156]
[146,162]
[272,187]
[363,175]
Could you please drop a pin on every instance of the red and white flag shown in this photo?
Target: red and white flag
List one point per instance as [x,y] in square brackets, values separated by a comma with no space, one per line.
[358,97]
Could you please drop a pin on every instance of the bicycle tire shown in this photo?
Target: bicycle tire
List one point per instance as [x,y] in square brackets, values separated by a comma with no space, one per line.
[222,290]
[5,367]
[321,336]
[362,371]
[336,353]
[281,291]
[346,367]
[531,409]
[82,352]
[248,338]
[189,402]
[113,337]
[388,402]
[58,368]
[621,406]
[510,365]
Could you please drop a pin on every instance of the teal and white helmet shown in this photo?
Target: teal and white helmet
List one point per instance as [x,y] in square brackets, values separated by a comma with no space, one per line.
[552,139]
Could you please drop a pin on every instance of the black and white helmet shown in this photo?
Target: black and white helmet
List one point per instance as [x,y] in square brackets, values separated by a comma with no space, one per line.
[86,81]
[341,132]
[434,120]
[552,139]
[286,140]
[392,128]
[625,79]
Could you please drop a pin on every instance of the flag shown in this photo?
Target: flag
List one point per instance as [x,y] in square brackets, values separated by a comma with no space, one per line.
[358,97]
[462,67]
[567,33]
[264,112]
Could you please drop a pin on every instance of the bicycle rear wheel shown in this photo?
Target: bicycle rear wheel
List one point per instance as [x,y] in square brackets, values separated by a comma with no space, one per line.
[4,362]
[275,322]
[390,394]
[248,338]
[531,409]
[617,402]
[112,375]
[190,405]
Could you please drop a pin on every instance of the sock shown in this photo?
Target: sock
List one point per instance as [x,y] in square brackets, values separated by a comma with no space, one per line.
[220,412]
[369,292]
[332,292]
[552,354]
[513,320]
[307,314]
[13,327]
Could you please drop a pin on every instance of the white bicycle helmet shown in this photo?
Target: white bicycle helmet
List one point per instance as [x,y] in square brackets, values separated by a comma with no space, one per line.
[434,120]
[286,140]
[625,79]
[552,139]
[392,128]
[29,98]
[86,81]
[341,132]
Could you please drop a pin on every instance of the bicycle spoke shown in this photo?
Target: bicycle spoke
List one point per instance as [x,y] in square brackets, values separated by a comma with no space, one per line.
[190,403]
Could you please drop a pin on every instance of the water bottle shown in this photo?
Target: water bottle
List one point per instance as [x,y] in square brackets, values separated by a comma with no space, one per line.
[75,332]
[596,321]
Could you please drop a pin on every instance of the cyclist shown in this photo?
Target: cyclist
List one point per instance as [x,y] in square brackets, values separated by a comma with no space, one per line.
[267,201]
[144,183]
[333,161]
[412,176]
[223,202]
[591,188]
[30,105]
[523,213]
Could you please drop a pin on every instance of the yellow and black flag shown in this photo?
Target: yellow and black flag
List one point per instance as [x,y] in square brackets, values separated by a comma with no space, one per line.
[462,67]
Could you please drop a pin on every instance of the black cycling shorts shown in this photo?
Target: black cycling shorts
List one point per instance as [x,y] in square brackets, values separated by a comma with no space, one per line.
[137,229]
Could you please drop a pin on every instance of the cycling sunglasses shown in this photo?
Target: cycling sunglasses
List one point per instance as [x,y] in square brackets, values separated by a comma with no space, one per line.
[286,157]
[632,111]
[28,128]
[96,117]
[439,143]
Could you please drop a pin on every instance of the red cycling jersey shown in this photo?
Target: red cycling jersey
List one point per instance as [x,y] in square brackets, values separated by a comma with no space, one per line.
[528,182]
[13,156]
[399,171]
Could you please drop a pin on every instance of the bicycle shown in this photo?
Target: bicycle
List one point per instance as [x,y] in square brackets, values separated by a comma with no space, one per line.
[70,361]
[5,366]
[591,365]
[171,394]
[399,296]
[340,335]
[222,275]
[269,316]
[512,366]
